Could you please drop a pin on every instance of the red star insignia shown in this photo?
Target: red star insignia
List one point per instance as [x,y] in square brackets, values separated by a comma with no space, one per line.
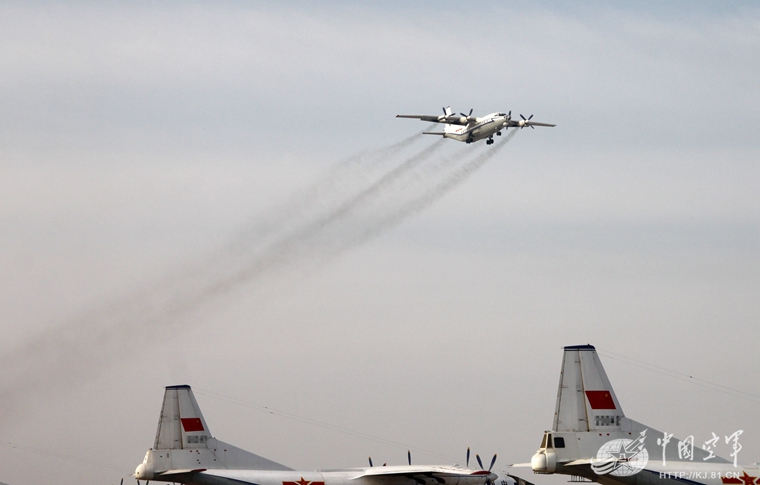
[302,482]
[746,479]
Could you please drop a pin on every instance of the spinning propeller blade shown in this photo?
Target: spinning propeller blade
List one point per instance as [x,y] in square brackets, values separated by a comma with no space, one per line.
[525,122]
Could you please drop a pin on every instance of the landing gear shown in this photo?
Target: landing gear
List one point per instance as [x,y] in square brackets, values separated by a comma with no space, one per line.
[489,141]
[498,133]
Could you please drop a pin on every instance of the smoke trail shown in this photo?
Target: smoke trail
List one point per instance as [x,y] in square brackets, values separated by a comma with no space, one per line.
[330,190]
[81,347]
[417,204]
[306,241]
[312,229]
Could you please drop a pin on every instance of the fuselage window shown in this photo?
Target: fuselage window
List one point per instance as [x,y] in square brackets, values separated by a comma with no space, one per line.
[559,442]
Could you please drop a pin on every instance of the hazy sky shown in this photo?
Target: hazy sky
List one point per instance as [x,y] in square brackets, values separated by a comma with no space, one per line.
[219,194]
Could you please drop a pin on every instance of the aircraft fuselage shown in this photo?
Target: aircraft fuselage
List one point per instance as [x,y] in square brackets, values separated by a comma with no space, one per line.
[482,128]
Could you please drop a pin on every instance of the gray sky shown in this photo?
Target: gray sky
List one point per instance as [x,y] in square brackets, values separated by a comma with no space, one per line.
[151,153]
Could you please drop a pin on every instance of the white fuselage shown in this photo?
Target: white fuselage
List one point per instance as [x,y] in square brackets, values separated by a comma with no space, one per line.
[479,129]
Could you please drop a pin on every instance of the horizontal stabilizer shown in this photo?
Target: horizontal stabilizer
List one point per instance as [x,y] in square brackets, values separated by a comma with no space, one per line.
[179,472]
[519,481]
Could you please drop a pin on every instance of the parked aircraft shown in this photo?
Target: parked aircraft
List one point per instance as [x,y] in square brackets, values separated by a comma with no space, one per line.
[185,452]
[468,128]
[592,438]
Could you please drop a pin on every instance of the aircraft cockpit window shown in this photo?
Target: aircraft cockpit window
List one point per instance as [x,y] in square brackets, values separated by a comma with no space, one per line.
[549,441]
[559,442]
[543,442]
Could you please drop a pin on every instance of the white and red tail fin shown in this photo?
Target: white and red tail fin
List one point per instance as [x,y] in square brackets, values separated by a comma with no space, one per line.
[182,429]
[588,417]
[181,424]
[585,399]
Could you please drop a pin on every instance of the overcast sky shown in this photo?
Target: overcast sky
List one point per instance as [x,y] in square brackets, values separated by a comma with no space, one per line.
[219,194]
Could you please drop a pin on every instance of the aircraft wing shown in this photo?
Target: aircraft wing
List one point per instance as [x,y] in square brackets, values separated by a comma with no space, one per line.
[528,122]
[420,473]
[451,119]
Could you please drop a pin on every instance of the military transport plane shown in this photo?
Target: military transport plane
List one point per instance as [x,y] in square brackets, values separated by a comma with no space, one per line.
[468,128]
[593,439]
[185,452]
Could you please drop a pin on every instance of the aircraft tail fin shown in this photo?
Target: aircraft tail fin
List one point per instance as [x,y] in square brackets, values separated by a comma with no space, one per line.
[181,424]
[585,398]
[182,428]
[588,417]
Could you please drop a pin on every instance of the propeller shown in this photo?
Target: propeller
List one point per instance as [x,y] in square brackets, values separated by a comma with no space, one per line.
[524,122]
[467,463]
[493,460]
[467,117]
[409,457]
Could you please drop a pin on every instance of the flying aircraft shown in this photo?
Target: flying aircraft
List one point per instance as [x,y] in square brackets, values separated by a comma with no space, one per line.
[185,452]
[592,438]
[468,128]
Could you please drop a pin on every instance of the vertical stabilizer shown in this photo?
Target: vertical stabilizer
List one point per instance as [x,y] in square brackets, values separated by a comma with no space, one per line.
[181,424]
[585,399]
